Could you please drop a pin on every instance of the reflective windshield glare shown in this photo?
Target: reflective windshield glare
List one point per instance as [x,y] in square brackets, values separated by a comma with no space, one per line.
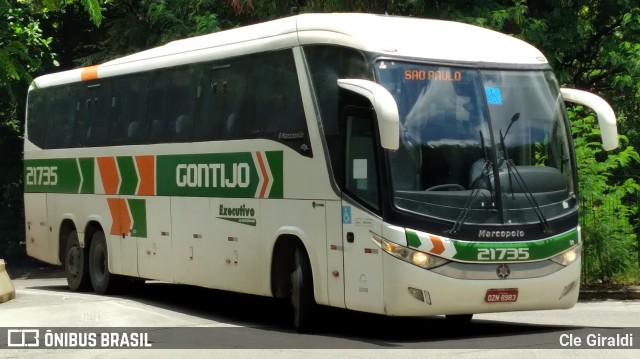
[479,146]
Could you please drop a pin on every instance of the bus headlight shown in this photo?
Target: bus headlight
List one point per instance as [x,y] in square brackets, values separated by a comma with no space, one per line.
[567,257]
[409,255]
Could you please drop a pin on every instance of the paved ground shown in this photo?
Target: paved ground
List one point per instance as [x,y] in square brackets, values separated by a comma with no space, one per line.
[190,317]
[28,268]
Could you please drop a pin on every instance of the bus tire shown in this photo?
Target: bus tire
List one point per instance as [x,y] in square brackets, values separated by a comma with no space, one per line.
[302,299]
[76,264]
[102,281]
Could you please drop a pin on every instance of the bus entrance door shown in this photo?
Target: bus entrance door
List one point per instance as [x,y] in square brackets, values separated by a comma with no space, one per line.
[362,256]
[362,260]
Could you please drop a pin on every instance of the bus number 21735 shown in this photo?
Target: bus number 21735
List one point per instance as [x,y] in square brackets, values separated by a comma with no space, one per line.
[42,176]
[489,254]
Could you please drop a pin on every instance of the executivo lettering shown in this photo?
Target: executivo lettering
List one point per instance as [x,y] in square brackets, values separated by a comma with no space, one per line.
[242,214]
[500,234]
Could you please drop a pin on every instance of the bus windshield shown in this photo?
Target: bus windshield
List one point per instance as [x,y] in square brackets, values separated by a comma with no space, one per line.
[492,144]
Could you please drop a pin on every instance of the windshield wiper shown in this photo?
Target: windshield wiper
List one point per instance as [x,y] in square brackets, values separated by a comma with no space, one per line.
[512,170]
[505,157]
[475,189]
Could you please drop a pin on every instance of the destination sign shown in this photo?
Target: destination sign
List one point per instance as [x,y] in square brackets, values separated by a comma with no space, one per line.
[432,75]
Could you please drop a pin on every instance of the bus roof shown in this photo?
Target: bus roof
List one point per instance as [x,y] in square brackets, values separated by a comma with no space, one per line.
[395,36]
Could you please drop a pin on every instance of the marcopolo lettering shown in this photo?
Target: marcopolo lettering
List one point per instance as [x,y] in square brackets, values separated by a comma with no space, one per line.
[213,175]
[500,234]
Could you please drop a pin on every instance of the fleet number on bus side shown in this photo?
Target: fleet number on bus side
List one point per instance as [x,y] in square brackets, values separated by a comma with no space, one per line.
[42,176]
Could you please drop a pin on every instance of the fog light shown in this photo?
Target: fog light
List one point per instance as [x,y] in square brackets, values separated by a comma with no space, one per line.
[567,289]
[421,295]
[416,293]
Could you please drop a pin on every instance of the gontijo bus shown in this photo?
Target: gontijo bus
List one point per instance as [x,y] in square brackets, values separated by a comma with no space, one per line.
[390,165]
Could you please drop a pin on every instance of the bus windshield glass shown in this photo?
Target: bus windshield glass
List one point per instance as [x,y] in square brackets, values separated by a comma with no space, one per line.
[492,144]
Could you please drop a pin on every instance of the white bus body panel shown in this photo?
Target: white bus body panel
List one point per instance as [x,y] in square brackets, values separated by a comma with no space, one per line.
[155,252]
[417,38]
[335,254]
[304,219]
[37,228]
[364,280]
[445,40]
[456,296]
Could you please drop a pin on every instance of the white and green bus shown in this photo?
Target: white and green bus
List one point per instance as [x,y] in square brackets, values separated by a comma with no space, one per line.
[390,165]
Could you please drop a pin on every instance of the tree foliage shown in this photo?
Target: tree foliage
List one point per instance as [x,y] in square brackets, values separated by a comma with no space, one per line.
[605,213]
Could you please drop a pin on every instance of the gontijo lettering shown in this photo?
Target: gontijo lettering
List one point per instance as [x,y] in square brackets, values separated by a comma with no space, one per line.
[213,175]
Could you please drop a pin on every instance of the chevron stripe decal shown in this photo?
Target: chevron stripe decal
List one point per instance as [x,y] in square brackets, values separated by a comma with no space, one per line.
[226,175]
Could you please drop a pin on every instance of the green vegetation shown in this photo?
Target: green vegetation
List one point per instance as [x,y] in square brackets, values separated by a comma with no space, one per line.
[591,44]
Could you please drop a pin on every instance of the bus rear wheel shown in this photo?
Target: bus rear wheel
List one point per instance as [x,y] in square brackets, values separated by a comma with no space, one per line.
[76,264]
[302,299]
[102,281]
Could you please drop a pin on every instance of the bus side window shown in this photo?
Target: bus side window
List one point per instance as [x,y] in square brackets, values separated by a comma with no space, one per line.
[361,163]
[62,117]
[172,95]
[182,92]
[236,99]
[37,119]
[278,114]
[203,121]
[93,133]
[128,104]
[220,92]
[327,64]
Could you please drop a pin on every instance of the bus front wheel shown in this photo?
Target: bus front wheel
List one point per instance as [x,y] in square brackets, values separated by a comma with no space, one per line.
[102,281]
[76,264]
[302,298]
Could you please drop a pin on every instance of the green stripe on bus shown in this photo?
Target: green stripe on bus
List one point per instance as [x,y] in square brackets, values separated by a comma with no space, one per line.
[138,208]
[274,158]
[128,175]
[413,240]
[509,251]
[52,176]
[87,166]
[230,175]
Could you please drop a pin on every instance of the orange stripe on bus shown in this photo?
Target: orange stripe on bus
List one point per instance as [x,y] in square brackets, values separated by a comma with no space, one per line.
[121,224]
[146,171]
[89,73]
[109,174]
[438,246]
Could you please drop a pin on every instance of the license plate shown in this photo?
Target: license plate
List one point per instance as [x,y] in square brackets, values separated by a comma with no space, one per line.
[501,295]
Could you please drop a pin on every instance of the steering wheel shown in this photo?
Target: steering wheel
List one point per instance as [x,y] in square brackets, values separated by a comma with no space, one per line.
[447,186]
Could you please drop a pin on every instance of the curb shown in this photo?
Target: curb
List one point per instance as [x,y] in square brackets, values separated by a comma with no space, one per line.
[7,290]
[631,293]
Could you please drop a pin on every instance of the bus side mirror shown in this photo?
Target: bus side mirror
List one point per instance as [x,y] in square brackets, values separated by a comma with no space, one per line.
[606,116]
[383,104]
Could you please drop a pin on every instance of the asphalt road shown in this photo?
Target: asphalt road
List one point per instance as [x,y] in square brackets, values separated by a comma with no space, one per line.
[232,325]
